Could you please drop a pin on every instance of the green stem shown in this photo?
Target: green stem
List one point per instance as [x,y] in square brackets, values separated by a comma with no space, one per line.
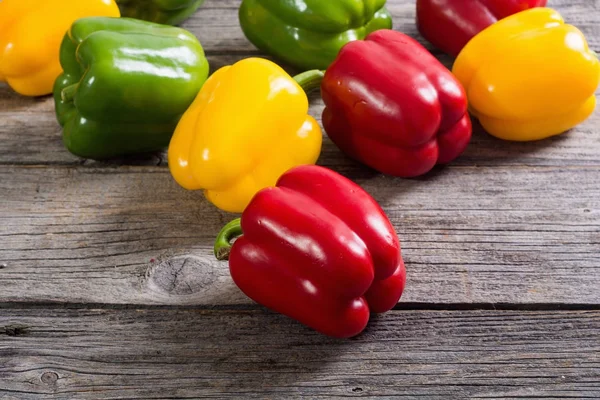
[224,238]
[68,93]
[310,80]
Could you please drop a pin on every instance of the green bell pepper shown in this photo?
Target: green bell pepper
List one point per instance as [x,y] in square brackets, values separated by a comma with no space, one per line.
[170,12]
[125,85]
[309,34]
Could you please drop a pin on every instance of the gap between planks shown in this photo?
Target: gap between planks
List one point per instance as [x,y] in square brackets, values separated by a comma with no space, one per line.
[402,306]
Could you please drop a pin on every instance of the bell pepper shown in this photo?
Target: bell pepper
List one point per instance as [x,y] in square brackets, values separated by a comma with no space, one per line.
[125,85]
[30,35]
[170,12]
[529,76]
[316,248]
[450,24]
[247,126]
[308,34]
[393,106]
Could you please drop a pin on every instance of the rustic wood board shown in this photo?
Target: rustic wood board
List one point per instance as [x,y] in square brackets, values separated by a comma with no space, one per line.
[130,235]
[498,247]
[154,354]
[30,135]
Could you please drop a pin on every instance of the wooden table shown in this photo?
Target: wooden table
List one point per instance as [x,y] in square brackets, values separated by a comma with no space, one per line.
[108,287]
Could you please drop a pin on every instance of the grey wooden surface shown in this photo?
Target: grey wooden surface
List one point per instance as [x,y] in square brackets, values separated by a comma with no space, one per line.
[108,287]
[129,235]
[158,354]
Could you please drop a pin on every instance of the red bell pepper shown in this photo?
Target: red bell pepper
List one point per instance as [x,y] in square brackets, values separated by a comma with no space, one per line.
[316,248]
[393,106]
[450,24]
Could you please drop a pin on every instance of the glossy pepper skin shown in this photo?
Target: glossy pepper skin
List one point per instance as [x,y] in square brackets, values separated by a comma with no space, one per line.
[529,76]
[125,85]
[316,248]
[450,24]
[310,33]
[170,12]
[30,35]
[393,106]
[248,125]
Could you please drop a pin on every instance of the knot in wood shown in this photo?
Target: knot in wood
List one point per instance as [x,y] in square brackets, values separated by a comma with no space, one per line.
[14,330]
[182,275]
[49,378]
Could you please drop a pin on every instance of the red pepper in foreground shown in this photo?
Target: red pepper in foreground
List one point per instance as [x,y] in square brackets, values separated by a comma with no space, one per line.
[450,24]
[394,106]
[316,248]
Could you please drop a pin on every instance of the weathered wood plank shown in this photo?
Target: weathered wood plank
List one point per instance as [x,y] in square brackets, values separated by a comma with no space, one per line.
[129,354]
[29,133]
[131,235]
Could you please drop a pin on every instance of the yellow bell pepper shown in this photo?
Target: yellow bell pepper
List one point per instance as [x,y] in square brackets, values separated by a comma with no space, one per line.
[30,35]
[247,126]
[529,76]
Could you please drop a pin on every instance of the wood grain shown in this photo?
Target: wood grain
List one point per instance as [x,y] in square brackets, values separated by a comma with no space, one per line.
[30,135]
[130,235]
[154,354]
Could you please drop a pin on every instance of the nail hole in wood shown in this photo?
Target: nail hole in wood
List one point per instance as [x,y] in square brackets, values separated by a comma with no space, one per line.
[49,378]
[14,330]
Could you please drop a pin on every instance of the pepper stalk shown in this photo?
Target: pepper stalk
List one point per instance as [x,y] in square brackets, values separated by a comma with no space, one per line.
[223,244]
[310,80]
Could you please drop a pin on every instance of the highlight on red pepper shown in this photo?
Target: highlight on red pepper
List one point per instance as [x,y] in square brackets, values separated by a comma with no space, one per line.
[450,24]
[317,248]
[393,106]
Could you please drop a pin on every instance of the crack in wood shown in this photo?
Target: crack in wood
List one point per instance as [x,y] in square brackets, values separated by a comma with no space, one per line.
[180,275]
[402,306]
